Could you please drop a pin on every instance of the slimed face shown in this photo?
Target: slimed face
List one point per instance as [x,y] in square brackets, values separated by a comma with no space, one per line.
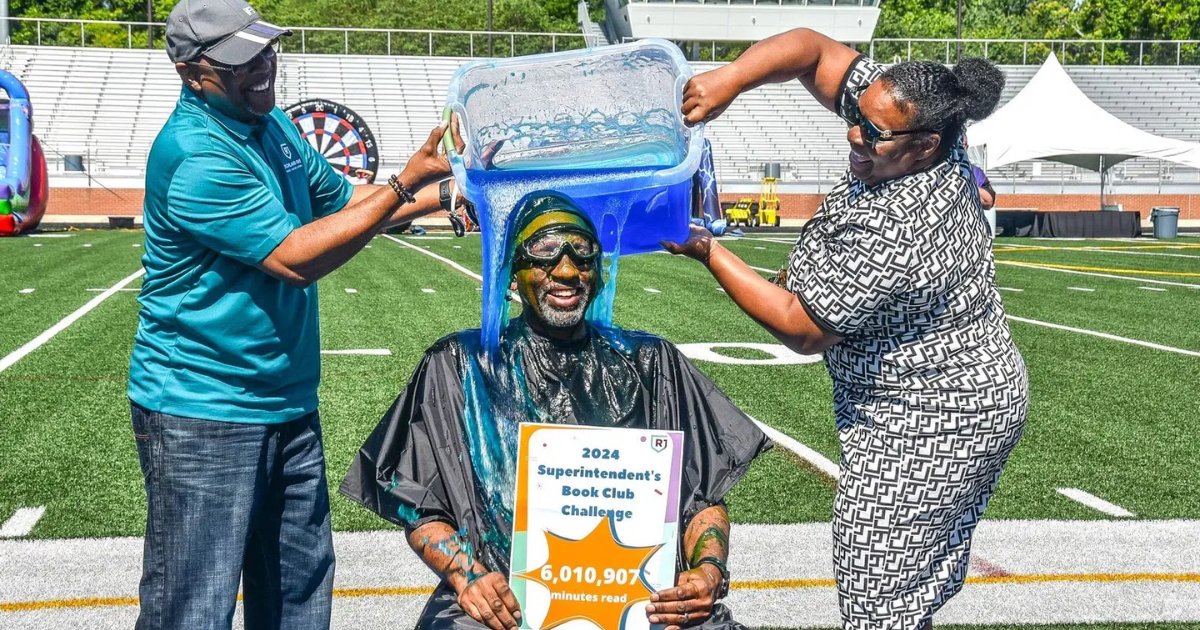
[555,257]
[556,277]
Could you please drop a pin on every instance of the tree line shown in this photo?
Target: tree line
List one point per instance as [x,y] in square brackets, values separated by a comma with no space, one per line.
[990,19]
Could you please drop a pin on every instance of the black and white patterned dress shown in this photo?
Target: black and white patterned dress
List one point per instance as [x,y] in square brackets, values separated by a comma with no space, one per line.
[930,393]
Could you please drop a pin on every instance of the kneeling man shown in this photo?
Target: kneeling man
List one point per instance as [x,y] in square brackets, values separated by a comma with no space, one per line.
[442,461]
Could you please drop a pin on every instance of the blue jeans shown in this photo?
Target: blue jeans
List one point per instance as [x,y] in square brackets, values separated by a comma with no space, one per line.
[230,503]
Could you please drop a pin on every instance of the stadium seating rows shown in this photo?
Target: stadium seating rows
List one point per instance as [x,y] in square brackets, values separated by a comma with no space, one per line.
[109,104]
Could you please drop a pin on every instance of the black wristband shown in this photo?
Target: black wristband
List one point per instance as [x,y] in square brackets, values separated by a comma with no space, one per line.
[444,195]
[405,195]
[723,591]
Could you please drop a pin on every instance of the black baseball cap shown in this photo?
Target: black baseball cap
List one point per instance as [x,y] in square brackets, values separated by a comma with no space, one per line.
[226,31]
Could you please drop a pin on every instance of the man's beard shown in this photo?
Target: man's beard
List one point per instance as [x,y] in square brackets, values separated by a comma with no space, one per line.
[563,318]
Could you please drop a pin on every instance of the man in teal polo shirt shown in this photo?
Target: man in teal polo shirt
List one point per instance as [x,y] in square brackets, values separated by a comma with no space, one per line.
[242,217]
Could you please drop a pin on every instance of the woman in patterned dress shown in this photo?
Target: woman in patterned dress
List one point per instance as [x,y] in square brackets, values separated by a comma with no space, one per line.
[893,280]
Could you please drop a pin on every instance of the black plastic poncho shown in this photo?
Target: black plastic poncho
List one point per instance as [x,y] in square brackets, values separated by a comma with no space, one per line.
[446,449]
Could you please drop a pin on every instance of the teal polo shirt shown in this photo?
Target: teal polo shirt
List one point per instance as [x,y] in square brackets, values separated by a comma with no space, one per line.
[218,338]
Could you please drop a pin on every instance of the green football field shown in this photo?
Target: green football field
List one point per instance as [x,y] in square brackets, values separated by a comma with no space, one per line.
[1107,328]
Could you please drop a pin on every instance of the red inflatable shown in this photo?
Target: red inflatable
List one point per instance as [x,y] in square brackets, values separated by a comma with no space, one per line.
[39,195]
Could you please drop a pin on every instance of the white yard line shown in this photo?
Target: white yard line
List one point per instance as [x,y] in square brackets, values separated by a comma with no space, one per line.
[1133,253]
[1102,335]
[1084,289]
[51,235]
[815,459]
[26,291]
[1098,275]
[1011,289]
[370,352]
[36,342]
[428,290]
[1095,502]
[22,522]
[1152,288]
[763,269]
[773,237]
[651,290]
[351,291]
[443,259]
[102,290]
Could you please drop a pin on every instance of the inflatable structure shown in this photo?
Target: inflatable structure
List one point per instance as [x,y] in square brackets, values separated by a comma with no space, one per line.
[24,188]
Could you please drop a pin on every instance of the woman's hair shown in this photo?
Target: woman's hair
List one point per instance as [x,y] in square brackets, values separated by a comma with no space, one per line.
[943,100]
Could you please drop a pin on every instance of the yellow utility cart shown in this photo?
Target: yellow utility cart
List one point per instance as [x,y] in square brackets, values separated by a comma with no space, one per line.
[756,212]
[742,212]
[768,203]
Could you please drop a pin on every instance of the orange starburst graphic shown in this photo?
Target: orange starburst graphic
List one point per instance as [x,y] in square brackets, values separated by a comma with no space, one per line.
[594,578]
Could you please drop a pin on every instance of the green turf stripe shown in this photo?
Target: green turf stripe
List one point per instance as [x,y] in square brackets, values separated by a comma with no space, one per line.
[60,270]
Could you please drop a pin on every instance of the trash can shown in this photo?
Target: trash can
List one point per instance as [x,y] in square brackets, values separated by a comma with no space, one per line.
[1166,222]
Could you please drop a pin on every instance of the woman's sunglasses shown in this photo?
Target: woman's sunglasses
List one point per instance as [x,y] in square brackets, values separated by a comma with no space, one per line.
[872,135]
[546,248]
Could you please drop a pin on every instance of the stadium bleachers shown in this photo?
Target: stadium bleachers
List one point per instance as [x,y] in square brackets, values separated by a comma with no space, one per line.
[109,104]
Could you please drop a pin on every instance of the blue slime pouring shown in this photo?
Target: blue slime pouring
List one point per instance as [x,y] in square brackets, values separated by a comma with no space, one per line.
[602,126]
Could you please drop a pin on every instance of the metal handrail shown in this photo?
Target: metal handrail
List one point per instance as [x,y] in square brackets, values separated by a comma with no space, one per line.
[1091,52]
[1070,51]
[382,41]
[347,40]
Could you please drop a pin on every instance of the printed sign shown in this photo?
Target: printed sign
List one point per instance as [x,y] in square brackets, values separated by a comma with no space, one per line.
[596,526]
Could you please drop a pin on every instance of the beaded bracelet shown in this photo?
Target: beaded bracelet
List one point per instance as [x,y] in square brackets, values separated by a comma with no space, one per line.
[405,195]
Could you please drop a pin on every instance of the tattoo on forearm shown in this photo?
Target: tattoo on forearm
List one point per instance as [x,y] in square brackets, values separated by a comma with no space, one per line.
[712,534]
[450,554]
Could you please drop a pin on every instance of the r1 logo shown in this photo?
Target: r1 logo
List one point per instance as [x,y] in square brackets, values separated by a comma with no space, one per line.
[659,443]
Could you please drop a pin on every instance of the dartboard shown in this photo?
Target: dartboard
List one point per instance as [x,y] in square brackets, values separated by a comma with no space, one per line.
[339,134]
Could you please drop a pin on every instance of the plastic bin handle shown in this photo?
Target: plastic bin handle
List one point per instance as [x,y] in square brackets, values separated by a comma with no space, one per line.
[448,137]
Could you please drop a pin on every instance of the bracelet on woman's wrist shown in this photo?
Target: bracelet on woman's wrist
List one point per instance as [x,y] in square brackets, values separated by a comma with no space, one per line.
[402,191]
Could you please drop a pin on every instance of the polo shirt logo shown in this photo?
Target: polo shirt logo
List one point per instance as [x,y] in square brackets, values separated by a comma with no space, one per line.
[291,162]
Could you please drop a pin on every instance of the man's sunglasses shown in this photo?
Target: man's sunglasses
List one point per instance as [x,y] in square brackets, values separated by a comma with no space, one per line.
[547,248]
[872,135]
[267,54]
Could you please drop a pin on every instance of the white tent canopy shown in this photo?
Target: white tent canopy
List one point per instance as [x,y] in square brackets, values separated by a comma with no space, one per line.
[1051,119]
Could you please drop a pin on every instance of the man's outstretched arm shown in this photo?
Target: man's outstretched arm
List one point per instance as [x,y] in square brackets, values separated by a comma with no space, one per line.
[314,250]
[691,600]
[482,594]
